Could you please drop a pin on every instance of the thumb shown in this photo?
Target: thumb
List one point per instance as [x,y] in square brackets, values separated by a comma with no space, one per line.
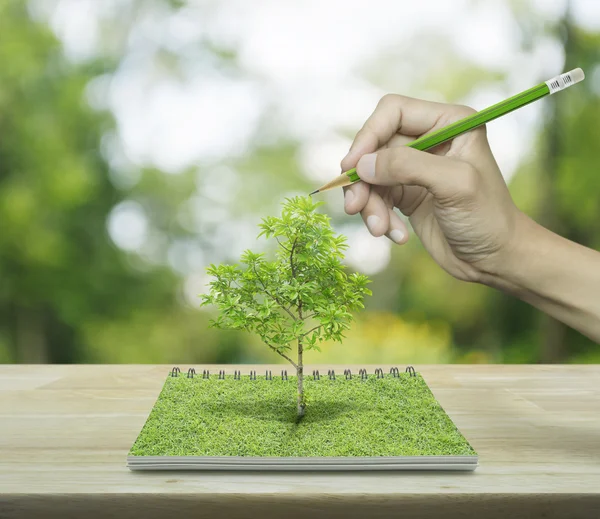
[441,176]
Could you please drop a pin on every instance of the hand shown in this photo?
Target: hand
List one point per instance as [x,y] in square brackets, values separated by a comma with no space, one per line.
[454,195]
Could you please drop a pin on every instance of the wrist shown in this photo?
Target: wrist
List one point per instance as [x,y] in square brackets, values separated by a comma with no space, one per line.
[557,276]
[515,265]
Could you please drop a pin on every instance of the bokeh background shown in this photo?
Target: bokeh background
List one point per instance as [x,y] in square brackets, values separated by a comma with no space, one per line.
[141,140]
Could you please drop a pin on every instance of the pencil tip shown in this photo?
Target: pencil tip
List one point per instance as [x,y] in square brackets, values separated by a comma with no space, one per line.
[311,194]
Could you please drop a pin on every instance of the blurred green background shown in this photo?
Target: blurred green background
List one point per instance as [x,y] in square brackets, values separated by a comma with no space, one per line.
[142,140]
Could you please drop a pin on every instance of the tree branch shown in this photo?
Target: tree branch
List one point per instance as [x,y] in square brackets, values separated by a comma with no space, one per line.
[281,245]
[292,256]
[275,298]
[294,276]
[283,355]
[312,330]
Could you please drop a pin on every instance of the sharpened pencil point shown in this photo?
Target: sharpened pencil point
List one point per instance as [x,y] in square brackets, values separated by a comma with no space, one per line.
[316,191]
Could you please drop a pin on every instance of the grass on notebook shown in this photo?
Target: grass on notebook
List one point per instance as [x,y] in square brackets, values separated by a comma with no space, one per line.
[373,417]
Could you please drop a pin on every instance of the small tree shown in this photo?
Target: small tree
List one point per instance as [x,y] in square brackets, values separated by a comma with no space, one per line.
[302,298]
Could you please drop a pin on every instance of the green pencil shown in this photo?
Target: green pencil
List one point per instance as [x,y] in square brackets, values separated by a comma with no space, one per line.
[556,84]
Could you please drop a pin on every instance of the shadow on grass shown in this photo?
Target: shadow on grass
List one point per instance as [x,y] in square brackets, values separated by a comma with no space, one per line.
[284,411]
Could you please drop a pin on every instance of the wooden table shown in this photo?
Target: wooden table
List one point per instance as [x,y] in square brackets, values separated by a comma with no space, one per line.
[65,432]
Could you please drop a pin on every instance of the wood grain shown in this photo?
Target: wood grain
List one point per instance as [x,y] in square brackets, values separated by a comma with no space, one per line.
[65,432]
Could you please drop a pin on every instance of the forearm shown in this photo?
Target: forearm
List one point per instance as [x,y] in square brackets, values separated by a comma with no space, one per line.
[557,276]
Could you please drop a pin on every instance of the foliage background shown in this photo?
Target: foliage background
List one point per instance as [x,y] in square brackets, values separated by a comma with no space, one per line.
[141,140]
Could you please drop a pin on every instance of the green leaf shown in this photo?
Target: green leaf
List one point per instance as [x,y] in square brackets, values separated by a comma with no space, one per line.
[307,272]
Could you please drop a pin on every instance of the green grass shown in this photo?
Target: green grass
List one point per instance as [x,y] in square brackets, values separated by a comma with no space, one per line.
[373,417]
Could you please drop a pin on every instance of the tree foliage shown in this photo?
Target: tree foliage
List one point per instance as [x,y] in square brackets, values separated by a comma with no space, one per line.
[306,283]
[303,297]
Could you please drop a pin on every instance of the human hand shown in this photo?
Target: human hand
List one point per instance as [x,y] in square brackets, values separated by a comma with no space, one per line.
[454,194]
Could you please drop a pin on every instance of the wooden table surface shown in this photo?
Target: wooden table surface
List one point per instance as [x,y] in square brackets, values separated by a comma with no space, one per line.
[65,432]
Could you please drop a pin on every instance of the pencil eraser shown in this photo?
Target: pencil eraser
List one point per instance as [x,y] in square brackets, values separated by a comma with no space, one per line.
[577,75]
[558,83]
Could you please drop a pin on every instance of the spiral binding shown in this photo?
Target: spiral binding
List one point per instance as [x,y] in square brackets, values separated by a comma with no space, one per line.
[237,374]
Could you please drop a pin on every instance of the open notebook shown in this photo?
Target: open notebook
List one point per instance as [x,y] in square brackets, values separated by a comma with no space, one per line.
[354,421]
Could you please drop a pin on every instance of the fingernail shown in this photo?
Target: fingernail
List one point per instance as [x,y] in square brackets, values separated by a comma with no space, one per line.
[397,235]
[348,197]
[372,222]
[366,166]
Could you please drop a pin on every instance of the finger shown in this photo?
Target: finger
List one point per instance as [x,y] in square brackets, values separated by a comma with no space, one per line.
[354,156]
[355,197]
[356,152]
[357,194]
[397,232]
[398,140]
[394,114]
[376,215]
[408,198]
[407,166]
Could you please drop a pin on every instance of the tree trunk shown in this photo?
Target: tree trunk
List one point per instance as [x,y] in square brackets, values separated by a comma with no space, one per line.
[300,375]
